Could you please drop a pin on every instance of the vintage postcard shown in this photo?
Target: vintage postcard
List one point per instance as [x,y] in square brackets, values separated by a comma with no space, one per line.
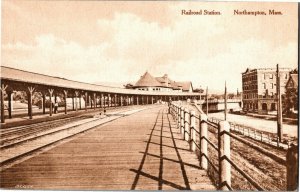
[149,95]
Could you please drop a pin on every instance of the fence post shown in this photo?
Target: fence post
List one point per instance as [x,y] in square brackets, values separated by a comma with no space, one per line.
[224,152]
[182,121]
[179,117]
[174,112]
[186,125]
[193,132]
[292,168]
[203,141]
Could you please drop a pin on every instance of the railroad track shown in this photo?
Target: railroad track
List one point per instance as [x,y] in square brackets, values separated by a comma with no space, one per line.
[37,137]
[30,132]
[13,134]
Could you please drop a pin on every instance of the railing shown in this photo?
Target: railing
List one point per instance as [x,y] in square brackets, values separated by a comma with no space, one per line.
[221,164]
[219,101]
[258,135]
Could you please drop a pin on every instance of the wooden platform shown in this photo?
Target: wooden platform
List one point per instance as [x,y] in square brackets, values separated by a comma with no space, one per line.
[142,151]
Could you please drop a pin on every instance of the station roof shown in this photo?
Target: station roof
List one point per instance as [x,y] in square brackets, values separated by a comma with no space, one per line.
[17,75]
[147,81]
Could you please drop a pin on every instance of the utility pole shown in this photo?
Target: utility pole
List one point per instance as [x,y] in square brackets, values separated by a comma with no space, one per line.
[225,102]
[279,105]
[207,100]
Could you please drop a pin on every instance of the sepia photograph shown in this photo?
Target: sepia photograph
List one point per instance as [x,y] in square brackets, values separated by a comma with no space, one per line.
[149,95]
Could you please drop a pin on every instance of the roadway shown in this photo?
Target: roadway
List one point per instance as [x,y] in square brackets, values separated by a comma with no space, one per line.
[258,123]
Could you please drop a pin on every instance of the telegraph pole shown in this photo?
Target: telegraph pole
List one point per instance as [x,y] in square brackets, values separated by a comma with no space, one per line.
[207,100]
[225,102]
[279,105]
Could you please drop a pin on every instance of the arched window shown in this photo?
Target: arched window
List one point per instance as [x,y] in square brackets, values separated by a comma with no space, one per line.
[264,106]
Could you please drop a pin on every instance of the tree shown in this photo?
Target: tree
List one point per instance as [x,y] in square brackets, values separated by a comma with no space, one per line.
[198,90]
[230,96]
[128,86]
[291,99]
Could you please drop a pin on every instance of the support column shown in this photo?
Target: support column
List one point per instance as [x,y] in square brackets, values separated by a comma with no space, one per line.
[137,100]
[147,100]
[55,101]
[44,102]
[95,101]
[104,100]
[76,102]
[73,103]
[108,101]
[115,100]
[3,87]
[50,95]
[142,99]
[9,94]
[101,100]
[127,100]
[65,98]
[29,95]
[80,101]
[86,100]
[90,101]
[121,100]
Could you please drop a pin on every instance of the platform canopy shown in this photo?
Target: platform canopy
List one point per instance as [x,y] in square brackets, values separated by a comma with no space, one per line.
[12,76]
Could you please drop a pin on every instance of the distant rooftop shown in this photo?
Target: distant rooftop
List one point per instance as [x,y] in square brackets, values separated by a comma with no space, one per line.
[249,70]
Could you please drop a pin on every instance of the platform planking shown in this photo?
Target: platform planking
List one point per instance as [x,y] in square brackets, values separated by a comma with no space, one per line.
[142,151]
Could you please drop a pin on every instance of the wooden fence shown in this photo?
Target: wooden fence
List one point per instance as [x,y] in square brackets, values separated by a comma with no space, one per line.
[258,135]
[186,122]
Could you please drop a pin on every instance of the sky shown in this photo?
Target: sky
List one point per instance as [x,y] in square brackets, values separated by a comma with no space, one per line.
[102,41]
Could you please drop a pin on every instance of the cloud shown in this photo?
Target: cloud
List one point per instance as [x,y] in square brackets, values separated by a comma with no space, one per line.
[189,48]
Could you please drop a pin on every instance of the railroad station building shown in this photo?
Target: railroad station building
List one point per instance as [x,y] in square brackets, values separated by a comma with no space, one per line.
[259,89]
[149,83]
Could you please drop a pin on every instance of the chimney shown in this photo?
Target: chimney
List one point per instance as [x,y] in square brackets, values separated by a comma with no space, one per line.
[166,80]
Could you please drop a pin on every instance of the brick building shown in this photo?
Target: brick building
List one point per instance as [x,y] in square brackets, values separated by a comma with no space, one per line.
[259,89]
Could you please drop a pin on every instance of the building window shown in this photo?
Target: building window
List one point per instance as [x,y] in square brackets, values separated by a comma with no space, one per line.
[264,75]
[264,107]
[286,76]
[271,76]
[264,84]
[272,86]
[273,107]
